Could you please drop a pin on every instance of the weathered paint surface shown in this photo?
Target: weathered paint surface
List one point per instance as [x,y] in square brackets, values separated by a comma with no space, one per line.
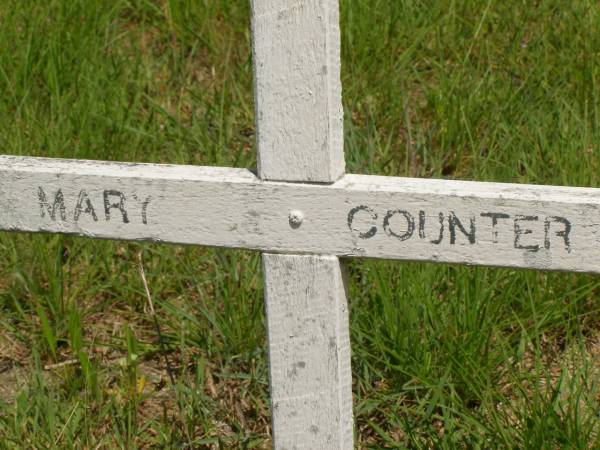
[543,227]
[300,138]
[309,352]
[296,45]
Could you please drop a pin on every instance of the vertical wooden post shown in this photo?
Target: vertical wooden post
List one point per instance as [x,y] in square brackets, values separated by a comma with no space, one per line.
[299,117]
[309,352]
[296,47]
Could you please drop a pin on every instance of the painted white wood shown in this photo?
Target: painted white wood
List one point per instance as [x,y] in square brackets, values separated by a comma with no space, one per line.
[232,208]
[296,48]
[300,138]
[309,352]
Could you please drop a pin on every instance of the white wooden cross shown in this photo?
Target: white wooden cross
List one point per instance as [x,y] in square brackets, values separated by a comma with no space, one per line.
[304,213]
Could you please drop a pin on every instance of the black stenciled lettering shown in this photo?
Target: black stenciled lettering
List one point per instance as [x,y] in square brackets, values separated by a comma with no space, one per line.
[120,204]
[371,231]
[59,203]
[522,231]
[144,210]
[495,217]
[422,224]
[563,233]
[89,208]
[410,224]
[454,223]
[441,236]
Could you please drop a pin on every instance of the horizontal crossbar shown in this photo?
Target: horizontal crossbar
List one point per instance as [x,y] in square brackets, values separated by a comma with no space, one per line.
[475,223]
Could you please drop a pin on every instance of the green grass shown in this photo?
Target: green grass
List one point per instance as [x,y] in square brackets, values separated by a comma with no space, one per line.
[443,356]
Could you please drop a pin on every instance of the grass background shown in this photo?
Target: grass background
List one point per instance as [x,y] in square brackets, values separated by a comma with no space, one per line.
[443,356]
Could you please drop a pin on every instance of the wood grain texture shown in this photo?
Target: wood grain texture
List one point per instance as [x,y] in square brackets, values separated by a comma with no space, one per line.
[540,227]
[296,45]
[309,352]
[300,138]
